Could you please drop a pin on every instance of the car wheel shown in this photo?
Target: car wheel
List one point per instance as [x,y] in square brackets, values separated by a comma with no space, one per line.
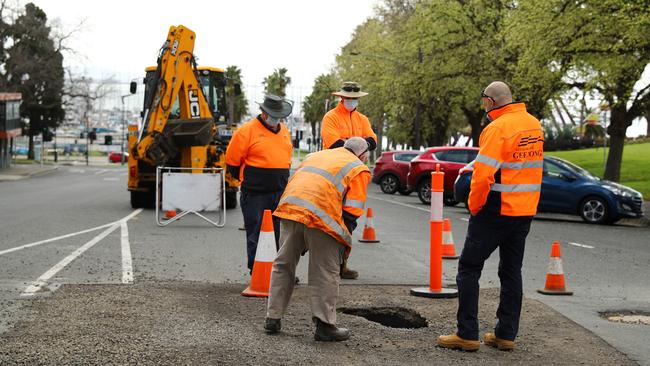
[594,210]
[389,184]
[405,191]
[424,191]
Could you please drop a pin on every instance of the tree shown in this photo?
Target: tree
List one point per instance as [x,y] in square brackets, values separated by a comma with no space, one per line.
[316,104]
[603,46]
[237,104]
[34,67]
[277,82]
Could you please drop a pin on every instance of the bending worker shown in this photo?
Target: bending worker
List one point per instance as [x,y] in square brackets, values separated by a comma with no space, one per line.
[262,147]
[503,198]
[318,212]
[342,123]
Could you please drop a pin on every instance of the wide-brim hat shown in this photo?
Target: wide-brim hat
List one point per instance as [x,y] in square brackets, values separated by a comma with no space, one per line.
[275,106]
[350,89]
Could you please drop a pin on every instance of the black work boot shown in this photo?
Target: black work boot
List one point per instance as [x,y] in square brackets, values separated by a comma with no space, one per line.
[329,333]
[272,326]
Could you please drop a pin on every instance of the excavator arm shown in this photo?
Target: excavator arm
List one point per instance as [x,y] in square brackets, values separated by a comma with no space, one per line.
[163,140]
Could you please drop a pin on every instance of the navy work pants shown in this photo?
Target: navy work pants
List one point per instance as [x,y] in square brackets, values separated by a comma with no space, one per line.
[485,233]
[253,205]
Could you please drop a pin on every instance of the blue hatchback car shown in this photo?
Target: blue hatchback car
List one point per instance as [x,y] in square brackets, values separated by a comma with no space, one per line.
[570,189]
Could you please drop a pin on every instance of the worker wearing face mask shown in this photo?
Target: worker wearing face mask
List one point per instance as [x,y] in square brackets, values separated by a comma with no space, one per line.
[342,123]
[259,153]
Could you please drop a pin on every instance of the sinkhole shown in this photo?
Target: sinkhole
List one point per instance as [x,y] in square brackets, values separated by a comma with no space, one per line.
[394,317]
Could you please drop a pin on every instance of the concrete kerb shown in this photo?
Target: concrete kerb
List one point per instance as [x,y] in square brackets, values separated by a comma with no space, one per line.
[19,172]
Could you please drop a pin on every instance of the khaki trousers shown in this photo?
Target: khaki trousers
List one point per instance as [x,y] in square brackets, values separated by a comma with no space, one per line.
[325,258]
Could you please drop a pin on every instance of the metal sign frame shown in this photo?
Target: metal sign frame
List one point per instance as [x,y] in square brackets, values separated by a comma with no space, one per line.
[167,169]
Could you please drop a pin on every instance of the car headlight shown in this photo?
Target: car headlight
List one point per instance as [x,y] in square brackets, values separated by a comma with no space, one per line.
[619,192]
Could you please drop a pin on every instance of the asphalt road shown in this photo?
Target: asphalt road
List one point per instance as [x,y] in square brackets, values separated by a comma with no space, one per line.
[607,267]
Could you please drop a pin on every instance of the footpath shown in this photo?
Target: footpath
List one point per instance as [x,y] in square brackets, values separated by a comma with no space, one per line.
[191,323]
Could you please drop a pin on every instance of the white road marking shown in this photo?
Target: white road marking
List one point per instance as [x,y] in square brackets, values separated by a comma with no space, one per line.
[464,219]
[53,239]
[110,179]
[101,171]
[42,280]
[127,265]
[581,245]
[400,204]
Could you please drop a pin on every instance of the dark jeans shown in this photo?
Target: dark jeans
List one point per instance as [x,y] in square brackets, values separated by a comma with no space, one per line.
[253,205]
[485,233]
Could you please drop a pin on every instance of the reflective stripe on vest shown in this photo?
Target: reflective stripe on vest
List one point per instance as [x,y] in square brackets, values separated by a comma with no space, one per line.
[354,203]
[329,221]
[497,187]
[335,180]
[514,166]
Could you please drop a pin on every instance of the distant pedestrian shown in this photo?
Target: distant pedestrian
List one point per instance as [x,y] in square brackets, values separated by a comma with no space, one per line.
[503,198]
[342,123]
[318,212]
[259,153]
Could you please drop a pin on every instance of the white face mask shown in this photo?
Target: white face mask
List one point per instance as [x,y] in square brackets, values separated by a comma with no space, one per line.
[272,121]
[350,104]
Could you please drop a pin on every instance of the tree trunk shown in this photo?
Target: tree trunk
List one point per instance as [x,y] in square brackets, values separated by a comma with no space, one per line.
[30,153]
[616,130]
[559,112]
[417,134]
[566,110]
[475,120]
[647,122]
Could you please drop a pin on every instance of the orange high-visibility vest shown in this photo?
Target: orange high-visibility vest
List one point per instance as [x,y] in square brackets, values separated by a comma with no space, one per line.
[326,183]
[508,169]
[341,124]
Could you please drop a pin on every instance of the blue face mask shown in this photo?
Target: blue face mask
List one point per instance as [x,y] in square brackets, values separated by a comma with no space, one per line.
[350,104]
[272,121]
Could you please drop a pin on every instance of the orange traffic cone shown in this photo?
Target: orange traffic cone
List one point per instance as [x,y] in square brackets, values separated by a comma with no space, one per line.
[369,230]
[555,275]
[448,248]
[170,214]
[264,257]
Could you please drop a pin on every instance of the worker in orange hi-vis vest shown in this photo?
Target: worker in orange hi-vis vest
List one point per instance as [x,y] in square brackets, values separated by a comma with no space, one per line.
[318,212]
[342,123]
[503,198]
[260,154]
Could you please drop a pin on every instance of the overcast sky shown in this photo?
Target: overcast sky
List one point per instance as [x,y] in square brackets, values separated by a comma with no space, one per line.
[121,37]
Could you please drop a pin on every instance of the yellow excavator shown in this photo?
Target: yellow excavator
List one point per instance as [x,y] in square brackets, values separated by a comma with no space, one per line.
[185,122]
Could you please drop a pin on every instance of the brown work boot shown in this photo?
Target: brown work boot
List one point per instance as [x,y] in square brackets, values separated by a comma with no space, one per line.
[455,342]
[348,274]
[329,332]
[492,340]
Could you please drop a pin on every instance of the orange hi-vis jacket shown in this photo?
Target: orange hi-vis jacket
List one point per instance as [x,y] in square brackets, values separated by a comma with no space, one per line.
[508,169]
[264,155]
[327,183]
[341,124]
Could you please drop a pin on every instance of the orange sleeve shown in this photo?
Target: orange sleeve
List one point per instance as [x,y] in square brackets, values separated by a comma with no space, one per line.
[367,130]
[355,199]
[486,165]
[329,131]
[237,148]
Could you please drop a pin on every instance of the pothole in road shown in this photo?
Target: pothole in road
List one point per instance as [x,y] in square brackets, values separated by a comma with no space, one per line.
[394,317]
[627,316]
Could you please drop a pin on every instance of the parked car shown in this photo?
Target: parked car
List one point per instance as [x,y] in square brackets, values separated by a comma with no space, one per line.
[20,150]
[570,189]
[391,170]
[116,157]
[450,158]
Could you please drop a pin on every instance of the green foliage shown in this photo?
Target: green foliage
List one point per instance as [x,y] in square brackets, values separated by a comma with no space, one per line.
[34,67]
[237,104]
[277,82]
[314,105]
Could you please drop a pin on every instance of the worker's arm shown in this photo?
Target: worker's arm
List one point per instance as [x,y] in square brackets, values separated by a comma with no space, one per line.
[236,152]
[354,201]
[369,135]
[330,133]
[487,163]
